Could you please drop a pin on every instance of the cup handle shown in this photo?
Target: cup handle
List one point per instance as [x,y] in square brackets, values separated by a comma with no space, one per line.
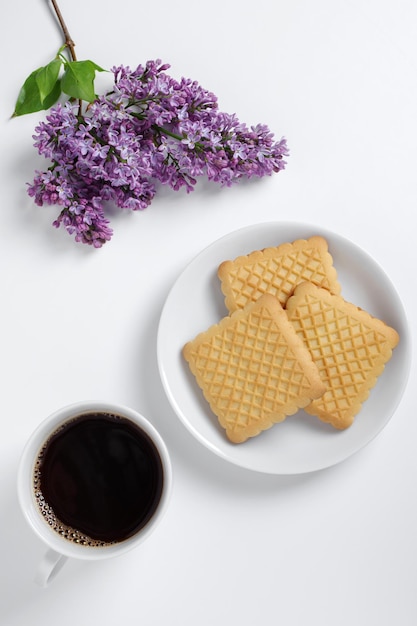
[50,565]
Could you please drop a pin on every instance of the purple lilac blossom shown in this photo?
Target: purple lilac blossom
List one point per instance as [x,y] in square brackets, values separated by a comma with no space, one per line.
[149,129]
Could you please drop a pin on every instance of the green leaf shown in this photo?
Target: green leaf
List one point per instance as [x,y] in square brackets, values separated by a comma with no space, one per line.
[96,67]
[78,79]
[30,100]
[47,77]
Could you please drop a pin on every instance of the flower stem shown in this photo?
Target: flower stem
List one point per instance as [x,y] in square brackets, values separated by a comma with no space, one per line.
[69,43]
[167,132]
[68,39]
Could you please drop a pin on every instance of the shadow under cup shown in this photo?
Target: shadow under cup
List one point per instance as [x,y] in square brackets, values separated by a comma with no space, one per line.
[93,480]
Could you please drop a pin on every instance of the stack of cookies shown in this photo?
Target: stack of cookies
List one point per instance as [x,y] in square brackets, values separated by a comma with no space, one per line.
[290,341]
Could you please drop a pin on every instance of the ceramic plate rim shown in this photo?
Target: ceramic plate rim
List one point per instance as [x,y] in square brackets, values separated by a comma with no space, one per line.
[215,440]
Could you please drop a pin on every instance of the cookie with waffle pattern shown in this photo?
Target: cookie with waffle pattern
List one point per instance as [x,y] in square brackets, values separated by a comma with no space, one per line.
[349,346]
[277,270]
[253,369]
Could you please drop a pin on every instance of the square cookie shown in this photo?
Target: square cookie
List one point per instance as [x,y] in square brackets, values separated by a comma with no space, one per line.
[349,346]
[277,270]
[253,369]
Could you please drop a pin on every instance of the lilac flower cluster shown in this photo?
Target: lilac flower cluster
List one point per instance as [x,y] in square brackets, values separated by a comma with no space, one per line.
[149,129]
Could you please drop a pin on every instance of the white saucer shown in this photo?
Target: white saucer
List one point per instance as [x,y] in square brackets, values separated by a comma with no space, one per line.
[301,443]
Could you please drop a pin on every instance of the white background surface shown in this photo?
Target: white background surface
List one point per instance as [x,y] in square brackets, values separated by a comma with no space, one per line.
[339,80]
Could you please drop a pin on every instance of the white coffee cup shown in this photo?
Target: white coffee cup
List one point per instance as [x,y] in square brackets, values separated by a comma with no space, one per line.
[60,548]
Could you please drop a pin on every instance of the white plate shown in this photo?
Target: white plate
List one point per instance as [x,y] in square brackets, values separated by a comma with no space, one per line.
[301,443]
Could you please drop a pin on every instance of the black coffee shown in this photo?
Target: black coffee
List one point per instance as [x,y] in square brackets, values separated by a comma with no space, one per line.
[98,479]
